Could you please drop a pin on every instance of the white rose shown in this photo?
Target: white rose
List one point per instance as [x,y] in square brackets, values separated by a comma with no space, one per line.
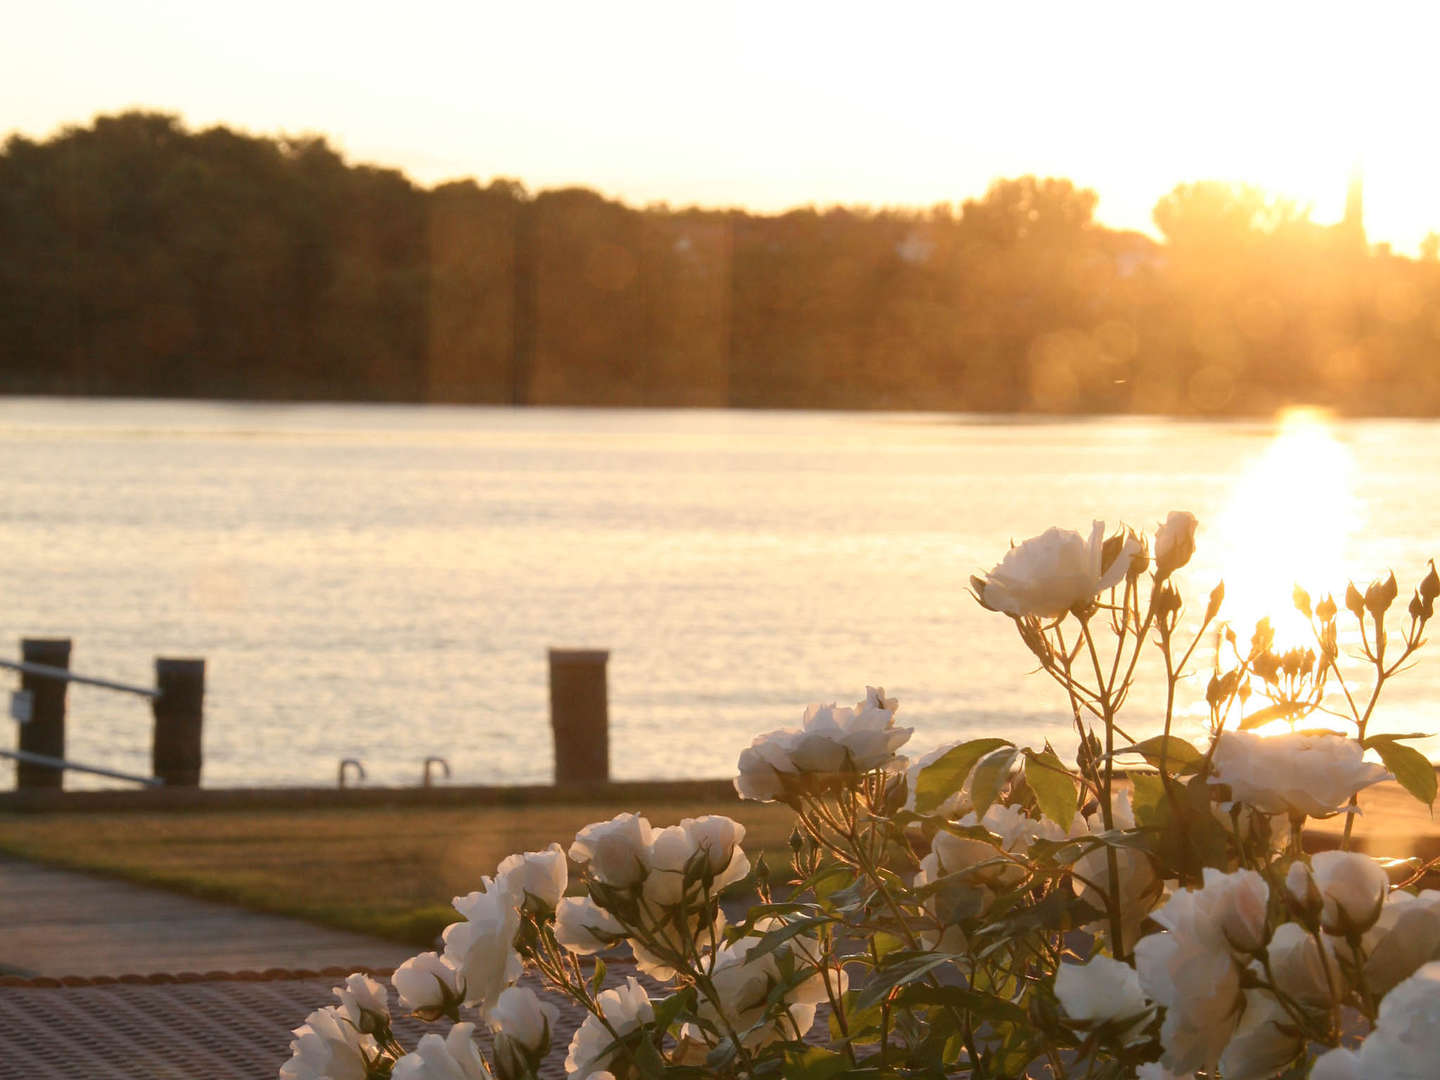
[1305,897]
[327,1047]
[1174,542]
[1301,970]
[1239,905]
[1294,773]
[1353,886]
[455,1057]
[626,1009]
[1055,572]
[1406,935]
[521,1015]
[833,741]
[1405,1044]
[1191,971]
[427,984]
[365,1003]
[673,848]
[1338,1064]
[482,948]
[1140,887]
[539,876]
[1154,1070]
[616,850]
[584,927]
[983,873]
[1264,1041]
[1016,829]
[744,984]
[1100,991]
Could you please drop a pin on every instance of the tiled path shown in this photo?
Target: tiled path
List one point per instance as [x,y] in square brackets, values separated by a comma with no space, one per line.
[58,922]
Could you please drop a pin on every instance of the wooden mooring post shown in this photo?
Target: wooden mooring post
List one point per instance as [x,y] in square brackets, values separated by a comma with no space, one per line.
[179,720]
[580,716]
[44,732]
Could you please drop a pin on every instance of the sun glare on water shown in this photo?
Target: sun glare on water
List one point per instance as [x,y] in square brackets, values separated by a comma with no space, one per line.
[1287,524]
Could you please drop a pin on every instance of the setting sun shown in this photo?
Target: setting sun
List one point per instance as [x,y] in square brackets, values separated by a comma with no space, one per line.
[1288,523]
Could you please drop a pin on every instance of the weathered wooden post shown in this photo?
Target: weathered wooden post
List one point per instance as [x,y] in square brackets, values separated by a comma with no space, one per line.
[179,716]
[45,732]
[580,715]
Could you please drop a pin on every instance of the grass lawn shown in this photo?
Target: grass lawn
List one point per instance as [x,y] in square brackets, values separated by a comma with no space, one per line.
[389,871]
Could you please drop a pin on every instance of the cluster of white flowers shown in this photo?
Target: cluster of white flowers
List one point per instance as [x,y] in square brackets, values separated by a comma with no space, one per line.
[932,909]
[834,744]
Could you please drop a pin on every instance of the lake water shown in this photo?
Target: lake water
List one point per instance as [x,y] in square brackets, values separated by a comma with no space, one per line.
[382,582]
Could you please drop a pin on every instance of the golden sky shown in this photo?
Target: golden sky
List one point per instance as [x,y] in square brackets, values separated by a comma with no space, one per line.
[773,105]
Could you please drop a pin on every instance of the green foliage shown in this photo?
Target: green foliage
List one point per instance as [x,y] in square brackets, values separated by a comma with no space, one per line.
[1411,768]
[947,774]
[1056,792]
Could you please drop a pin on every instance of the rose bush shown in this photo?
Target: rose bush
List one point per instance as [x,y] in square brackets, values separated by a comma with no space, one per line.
[1144,908]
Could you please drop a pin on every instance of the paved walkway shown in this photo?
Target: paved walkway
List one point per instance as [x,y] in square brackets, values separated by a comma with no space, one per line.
[59,922]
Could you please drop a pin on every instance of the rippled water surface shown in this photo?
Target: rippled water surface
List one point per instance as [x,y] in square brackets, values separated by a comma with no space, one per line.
[382,582]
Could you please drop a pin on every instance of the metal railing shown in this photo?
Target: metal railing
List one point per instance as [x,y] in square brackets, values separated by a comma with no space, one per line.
[177,702]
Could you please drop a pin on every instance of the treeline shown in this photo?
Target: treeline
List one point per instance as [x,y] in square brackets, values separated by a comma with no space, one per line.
[139,258]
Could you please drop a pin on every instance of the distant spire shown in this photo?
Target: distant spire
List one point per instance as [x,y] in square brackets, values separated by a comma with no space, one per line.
[1354,221]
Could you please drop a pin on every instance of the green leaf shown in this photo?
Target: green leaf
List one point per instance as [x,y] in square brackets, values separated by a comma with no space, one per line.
[946,774]
[985,1006]
[1148,799]
[667,1010]
[813,1063]
[1411,768]
[1283,710]
[1375,740]
[1180,757]
[1054,787]
[775,938]
[991,773]
[597,979]
[906,970]
[648,1060]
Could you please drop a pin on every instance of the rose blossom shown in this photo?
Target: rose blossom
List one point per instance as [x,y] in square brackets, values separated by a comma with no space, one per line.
[1406,935]
[625,1008]
[1055,572]
[365,1003]
[833,740]
[327,1047]
[1405,1044]
[1300,970]
[482,948]
[983,872]
[744,985]
[1265,1040]
[455,1057]
[1099,991]
[616,851]
[1191,971]
[539,876]
[1174,542]
[673,848]
[584,927]
[1353,887]
[1294,773]
[427,984]
[522,1024]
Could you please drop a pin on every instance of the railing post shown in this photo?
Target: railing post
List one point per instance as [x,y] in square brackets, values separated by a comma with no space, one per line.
[45,733]
[579,716]
[179,716]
